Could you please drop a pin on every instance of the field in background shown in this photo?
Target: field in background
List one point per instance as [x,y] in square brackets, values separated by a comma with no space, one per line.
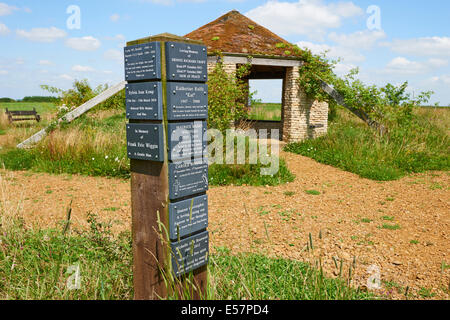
[272,111]
[13,134]
[265,111]
[41,107]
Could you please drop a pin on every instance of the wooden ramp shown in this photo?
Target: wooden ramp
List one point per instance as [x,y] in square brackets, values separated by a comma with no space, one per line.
[69,117]
[359,113]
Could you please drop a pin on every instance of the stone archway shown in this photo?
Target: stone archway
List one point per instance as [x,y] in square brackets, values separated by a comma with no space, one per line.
[301,118]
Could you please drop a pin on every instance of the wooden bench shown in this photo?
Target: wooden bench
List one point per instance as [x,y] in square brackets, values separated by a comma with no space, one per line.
[23,115]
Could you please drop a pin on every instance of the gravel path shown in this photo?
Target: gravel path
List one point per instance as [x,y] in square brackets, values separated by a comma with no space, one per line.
[401,228]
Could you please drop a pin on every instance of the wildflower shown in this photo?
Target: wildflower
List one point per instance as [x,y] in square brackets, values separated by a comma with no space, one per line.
[106,157]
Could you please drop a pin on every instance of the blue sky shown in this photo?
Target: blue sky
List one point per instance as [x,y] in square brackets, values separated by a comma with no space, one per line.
[411,41]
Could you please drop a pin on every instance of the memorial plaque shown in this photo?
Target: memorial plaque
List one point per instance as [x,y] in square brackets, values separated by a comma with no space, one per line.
[186,140]
[187,179]
[187,101]
[188,216]
[190,254]
[144,101]
[145,142]
[143,61]
[186,62]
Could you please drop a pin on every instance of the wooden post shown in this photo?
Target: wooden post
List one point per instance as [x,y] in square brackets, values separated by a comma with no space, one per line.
[159,192]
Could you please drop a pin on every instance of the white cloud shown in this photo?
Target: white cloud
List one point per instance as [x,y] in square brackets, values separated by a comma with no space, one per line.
[6,9]
[4,30]
[342,69]
[363,40]
[79,68]
[348,55]
[438,63]
[348,46]
[163,2]
[83,44]
[403,66]
[444,79]
[115,17]
[117,37]
[65,77]
[423,47]
[114,55]
[3,72]
[45,63]
[42,34]
[171,2]
[305,17]
[20,61]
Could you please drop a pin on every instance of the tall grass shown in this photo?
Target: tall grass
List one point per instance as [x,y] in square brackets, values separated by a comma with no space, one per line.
[257,277]
[91,145]
[12,134]
[352,146]
[265,111]
[36,264]
[95,145]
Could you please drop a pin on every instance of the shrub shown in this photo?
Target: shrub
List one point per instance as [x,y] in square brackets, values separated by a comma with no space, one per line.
[7,100]
[227,97]
[40,99]
[82,92]
[351,146]
[247,174]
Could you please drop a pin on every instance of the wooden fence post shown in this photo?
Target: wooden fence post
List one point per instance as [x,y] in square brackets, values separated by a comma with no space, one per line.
[166,97]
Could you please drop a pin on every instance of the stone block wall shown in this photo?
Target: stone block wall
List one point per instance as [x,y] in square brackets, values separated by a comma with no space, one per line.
[229,68]
[303,118]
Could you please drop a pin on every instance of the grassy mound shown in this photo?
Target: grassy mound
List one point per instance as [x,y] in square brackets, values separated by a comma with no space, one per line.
[350,145]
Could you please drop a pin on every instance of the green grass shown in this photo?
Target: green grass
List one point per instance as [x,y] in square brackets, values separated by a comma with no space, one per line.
[390,226]
[36,265]
[265,111]
[352,146]
[426,293]
[312,192]
[248,174]
[41,107]
[257,277]
[97,147]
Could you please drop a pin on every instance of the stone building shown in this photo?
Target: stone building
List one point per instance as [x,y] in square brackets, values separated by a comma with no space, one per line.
[240,41]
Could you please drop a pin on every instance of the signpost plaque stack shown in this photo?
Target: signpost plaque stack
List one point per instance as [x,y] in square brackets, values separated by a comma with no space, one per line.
[167,108]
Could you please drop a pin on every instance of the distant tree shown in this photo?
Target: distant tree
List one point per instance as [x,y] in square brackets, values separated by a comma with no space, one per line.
[40,99]
[82,92]
[7,100]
